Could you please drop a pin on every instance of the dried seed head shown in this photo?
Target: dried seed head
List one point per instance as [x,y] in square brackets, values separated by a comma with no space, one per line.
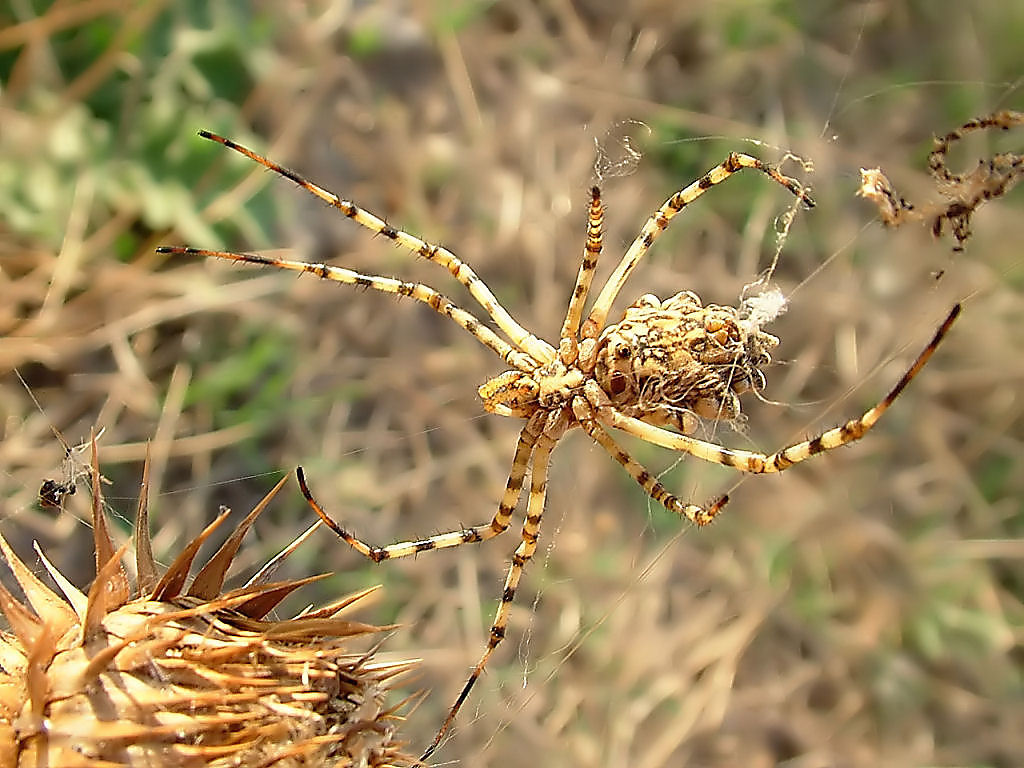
[164,674]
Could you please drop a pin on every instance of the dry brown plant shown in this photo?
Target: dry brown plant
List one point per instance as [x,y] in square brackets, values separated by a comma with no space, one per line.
[171,672]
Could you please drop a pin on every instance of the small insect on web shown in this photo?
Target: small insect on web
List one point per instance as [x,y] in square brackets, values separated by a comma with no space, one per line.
[53,493]
[654,374]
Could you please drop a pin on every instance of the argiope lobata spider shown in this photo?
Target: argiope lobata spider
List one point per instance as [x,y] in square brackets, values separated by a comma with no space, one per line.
[654,374]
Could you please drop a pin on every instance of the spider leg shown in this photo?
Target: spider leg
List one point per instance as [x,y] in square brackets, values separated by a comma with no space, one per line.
[473,535]
[591,253]
[545,443]
[760,463]
[696,514]
[526,341]
[418,291]
[660,221]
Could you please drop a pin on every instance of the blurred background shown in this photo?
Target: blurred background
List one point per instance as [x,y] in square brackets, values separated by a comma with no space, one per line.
[864,609]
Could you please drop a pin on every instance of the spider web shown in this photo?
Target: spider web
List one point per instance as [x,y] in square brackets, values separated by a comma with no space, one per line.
[348,431]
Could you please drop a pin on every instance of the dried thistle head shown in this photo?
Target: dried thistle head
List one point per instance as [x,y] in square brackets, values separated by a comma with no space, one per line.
[169,674]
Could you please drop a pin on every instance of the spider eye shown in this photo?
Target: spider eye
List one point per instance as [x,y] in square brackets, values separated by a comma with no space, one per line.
[623,352]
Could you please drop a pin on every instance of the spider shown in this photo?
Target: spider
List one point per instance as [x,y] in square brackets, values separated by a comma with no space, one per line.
[53,493]
[653,374]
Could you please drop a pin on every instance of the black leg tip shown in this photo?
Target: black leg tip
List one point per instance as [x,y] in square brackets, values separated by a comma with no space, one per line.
[301,477]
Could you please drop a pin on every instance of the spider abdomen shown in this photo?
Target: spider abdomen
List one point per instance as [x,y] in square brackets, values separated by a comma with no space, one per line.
[678,356]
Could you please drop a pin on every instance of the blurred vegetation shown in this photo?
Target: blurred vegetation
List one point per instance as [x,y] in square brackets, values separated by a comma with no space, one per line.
[102,115]
[866,611]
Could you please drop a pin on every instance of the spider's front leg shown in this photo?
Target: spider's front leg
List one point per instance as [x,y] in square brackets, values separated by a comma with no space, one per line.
[568,347]
[522,339]
[659,222]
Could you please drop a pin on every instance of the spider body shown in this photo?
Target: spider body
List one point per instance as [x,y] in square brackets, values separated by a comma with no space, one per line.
[52,493]
[668,361]
[665,362]
[654,374]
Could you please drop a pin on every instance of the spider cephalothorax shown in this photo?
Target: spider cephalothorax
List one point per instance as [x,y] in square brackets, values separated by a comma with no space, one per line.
[665,364]
[668,361]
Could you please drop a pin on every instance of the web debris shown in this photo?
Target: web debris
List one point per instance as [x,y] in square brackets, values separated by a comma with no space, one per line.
[964,193]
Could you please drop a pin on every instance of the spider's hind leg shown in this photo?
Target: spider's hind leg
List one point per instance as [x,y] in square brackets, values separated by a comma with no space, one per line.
[855,429]
[760,463]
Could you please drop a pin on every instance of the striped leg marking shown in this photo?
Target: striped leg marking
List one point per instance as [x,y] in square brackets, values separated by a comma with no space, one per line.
[760,463]
[474,535]
[659,222]
[523,339]
[417,291]
[696,514]
[524,552]
[585,276]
